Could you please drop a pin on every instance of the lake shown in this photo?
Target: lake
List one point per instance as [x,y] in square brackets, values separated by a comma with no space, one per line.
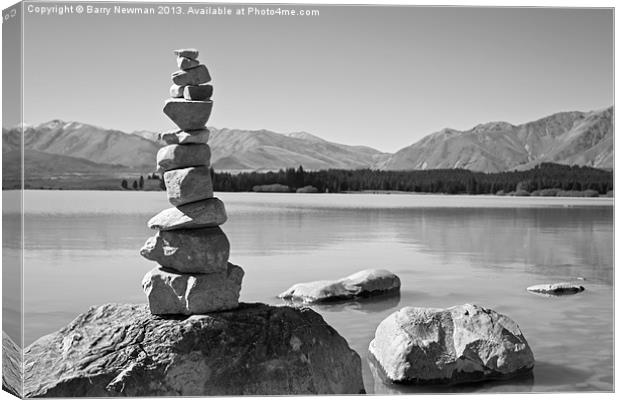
[82,250]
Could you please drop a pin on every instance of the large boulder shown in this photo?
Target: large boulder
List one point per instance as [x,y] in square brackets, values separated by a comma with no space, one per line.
[465,343]
[124,350]
[169,292]
[176,156]
[188,185]
[556,289]
[365,283]
[11,366]
[201,251]
[201,214]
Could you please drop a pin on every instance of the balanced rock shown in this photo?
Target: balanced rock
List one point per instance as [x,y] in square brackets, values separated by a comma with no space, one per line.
[201,92]
[176,91]
[169,292]
[183,137]
[556,289]
[361,284]
[124,350]
[188,115]
[201,251]
[188,185]
[195,76]
[11,366]
[464,343]
[185,63]
[187,53]
[201,214]
[176,156]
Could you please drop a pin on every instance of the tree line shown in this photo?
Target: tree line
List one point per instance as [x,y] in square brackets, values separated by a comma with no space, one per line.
[450,181]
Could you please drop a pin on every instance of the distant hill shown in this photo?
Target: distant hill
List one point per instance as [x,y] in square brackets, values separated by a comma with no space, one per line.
[78,140]
[573,138]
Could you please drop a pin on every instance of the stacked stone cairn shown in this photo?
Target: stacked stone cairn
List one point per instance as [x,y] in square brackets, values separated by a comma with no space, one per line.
[194,275]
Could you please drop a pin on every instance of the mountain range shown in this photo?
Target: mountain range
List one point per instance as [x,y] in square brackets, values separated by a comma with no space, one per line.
[576,138]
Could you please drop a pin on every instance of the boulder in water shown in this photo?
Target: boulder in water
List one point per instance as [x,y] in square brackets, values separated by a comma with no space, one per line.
[361,284]
[465,343]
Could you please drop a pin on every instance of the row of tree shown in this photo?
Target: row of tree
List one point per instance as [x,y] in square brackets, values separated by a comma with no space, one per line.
[451,181]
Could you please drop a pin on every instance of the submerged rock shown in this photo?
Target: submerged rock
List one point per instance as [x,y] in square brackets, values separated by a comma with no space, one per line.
[169,292]
[11,366]
[556,289]
[364,283]
[124,350]
[201,251]
[465,343]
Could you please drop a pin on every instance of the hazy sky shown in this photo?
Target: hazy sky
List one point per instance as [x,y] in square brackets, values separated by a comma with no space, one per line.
[377,76]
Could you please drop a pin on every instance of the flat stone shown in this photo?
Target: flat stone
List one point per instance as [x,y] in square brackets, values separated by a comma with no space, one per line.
[185,63]
[123,350]
[184,137]
[177,156]
[187,53]
[201,214]
[188,115]
[465,343]
[200,251]
[188,185]
[195,76]
[176,91]
[189,294]
[201,92]
[365,283]
[556,289]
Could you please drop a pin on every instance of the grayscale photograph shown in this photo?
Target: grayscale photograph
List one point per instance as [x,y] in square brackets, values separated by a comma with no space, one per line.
[226,199]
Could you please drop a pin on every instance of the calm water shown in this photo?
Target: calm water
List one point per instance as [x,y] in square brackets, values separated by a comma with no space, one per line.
[82,249]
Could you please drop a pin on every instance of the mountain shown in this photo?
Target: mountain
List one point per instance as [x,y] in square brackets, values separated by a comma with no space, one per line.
[78,140]
[574,138]
[266,150]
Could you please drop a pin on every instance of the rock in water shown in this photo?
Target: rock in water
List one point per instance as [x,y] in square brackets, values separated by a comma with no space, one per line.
[200,251]
[202,92]
[188,185]
[182,137]
[11,366]
[173,293]
[124,350]
[188,115]
[176,91]
[187,53]
[176,156]
[556,289]
[195,76]
[364,283]
[201,214]
[185,63]
[465,343]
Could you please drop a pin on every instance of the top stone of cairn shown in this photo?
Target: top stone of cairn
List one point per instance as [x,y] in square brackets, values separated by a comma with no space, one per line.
[187,53]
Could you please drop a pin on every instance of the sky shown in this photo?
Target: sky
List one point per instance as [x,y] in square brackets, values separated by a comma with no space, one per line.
[362,75]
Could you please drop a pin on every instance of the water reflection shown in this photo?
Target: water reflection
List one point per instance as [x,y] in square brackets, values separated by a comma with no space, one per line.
[521,383]
[373,304]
